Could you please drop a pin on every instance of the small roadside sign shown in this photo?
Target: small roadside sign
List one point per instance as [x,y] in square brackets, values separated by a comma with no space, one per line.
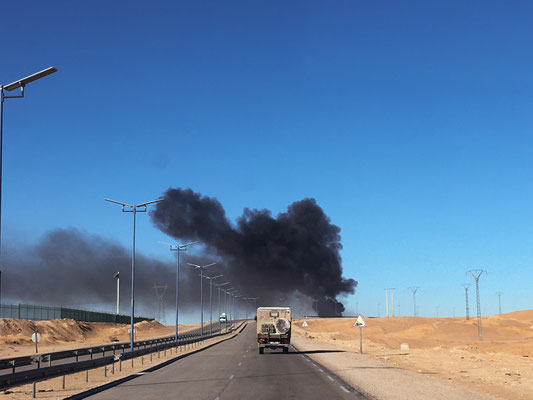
[304,324]
[359,321]
[36,338]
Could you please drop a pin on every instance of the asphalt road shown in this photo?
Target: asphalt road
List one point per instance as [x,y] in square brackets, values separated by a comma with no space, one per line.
[233,369]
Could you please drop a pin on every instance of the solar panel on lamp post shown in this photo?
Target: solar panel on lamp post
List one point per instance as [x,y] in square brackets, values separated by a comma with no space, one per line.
[178,248]
[134,209]
[21,83]
[202,268]
[211,278]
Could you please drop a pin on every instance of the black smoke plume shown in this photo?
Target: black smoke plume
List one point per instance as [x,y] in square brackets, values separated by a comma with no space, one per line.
[295,253]
[71,268]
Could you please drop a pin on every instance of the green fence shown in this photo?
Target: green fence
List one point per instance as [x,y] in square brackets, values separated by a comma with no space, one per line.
[43,313]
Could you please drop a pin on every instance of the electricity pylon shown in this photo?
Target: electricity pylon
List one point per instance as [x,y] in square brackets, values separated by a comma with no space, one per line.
[160,291]
[414,289]
[466,286]
[476,274]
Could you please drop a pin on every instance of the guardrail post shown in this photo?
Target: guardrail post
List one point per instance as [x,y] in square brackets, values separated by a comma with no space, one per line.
[142,360]
[132,362]
[49,360]
[33,389]
[113,367]
[63,383]
[165,353]
[158,354]
[87,375]
[120,365]
[77,356]
[150,357]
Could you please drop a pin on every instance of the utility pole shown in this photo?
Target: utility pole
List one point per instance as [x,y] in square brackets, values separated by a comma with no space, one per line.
[466,286]
[476,274]
[499,302]
[414,290]
[387,303]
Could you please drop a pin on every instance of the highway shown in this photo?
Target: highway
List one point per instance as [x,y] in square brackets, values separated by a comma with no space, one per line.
[233,369]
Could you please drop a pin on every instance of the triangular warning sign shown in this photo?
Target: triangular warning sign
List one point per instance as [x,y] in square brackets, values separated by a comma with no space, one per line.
[304,324]
[359,321]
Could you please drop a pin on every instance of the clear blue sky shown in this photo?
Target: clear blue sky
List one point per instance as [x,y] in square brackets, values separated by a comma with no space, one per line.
[409,122]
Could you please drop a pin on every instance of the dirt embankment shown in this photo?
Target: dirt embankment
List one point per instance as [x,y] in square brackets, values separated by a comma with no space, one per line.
[445,347]
[62,334]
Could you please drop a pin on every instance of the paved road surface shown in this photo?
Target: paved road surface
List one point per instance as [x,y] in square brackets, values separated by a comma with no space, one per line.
[234,370]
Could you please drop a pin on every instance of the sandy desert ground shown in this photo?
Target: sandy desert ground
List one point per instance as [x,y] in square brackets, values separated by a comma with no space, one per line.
[66,334]
[447,348]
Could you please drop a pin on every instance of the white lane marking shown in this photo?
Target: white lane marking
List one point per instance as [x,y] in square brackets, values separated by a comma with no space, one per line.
[231,377]
[240,364]
[343,388]
[218,398]
[330,378]
[321,370]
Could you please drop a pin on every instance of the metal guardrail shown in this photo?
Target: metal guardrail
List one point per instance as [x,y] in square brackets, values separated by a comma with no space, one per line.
[43,373]
[41,359]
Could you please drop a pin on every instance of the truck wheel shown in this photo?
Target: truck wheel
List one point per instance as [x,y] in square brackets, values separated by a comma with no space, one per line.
[261,350]
[286,350]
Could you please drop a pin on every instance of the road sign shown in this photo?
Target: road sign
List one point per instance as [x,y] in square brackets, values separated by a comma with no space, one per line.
[36,337]
[359,321]
[304,324]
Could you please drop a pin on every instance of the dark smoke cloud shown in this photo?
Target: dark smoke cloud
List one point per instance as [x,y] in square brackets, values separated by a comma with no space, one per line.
[74,269]
[273,258]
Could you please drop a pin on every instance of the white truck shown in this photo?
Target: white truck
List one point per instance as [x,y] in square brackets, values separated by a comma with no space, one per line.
[274,328]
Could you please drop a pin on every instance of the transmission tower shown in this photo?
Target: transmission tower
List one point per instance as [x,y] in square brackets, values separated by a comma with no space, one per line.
[476,274]
[466,286]
[414,289]
[499,302]
[160,291]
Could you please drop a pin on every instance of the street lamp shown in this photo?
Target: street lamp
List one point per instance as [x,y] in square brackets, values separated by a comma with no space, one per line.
[117,277]
[219,286]
[134,209]
[255,301]
[178,248]
[211,278]
[21,83]
[201,268]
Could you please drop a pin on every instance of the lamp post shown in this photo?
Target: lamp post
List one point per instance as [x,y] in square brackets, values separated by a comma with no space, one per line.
[202,268]
[134,209]
[211,278]
[117,277]
[219,286]
[21,83]
[178,248]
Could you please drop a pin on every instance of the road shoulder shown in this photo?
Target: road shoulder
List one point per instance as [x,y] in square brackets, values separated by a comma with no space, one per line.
[383,381]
